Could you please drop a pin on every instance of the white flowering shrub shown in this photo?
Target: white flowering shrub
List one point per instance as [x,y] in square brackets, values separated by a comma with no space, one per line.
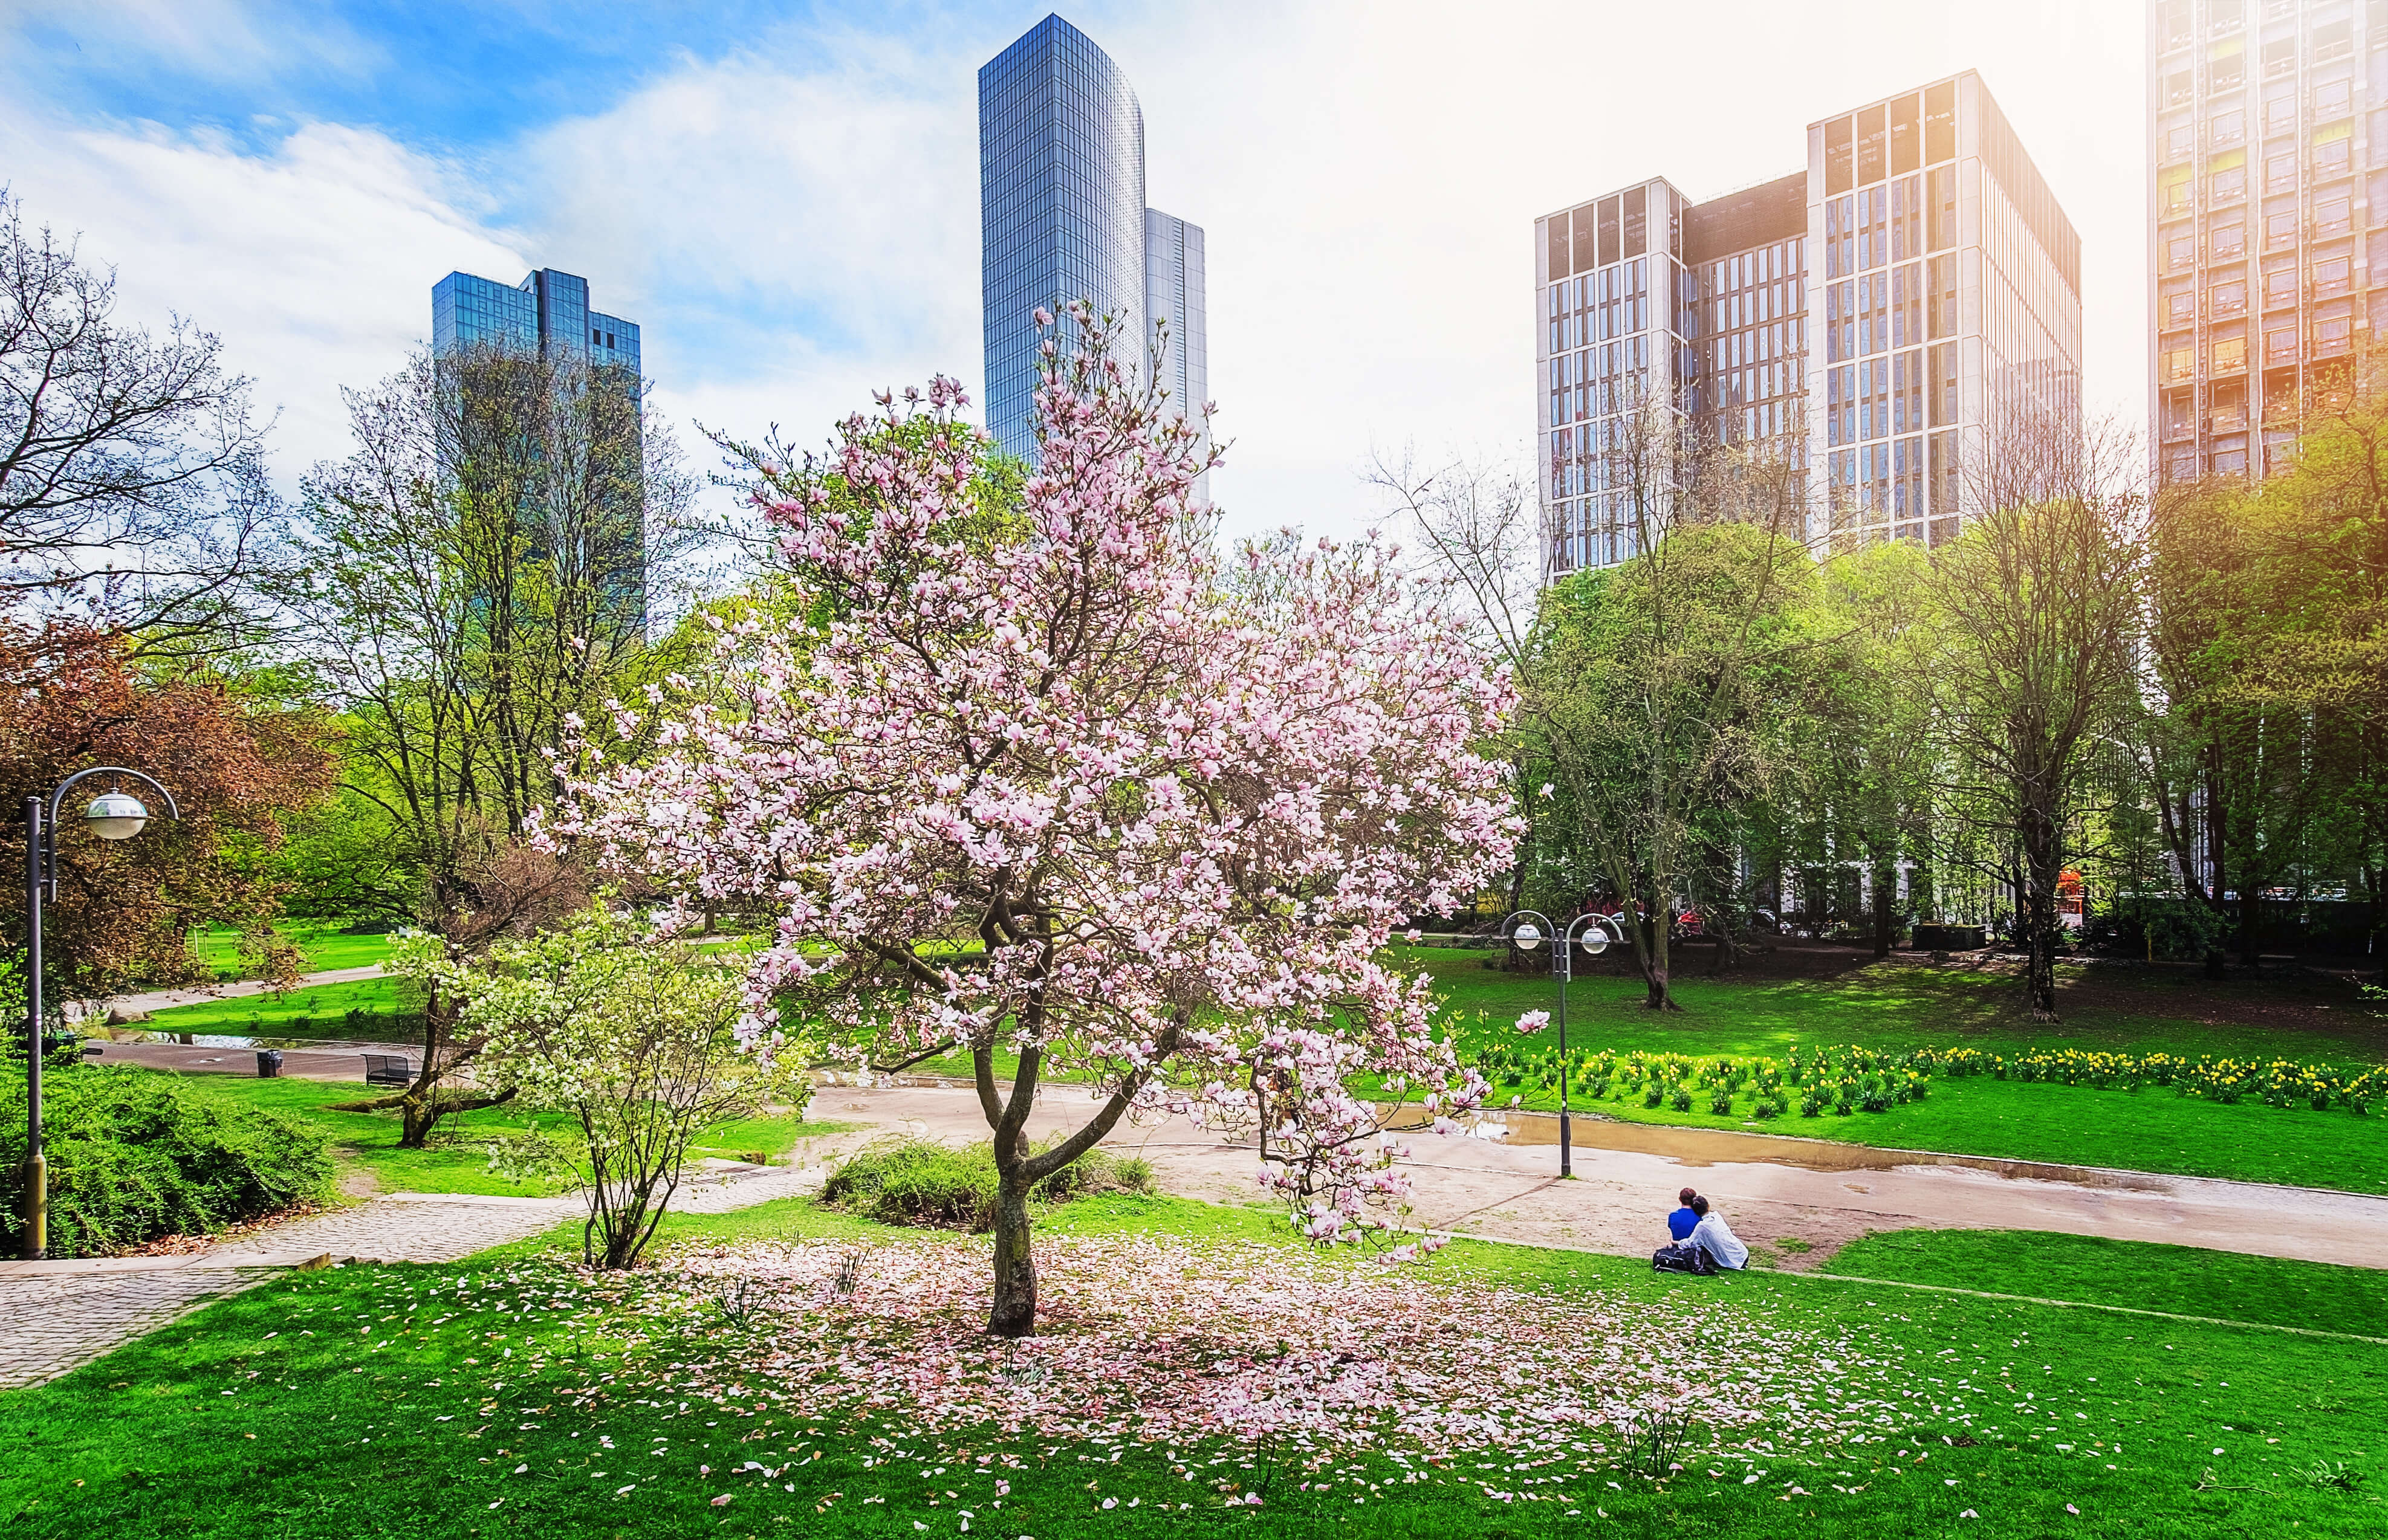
[639,1036]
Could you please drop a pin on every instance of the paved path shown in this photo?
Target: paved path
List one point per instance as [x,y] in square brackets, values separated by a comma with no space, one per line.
[166,1000]
[323,1061]
[57,1315]
[1619,1198]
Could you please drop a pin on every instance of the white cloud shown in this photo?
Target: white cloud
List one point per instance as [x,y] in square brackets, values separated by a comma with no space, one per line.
[314,262]
[226,40]
[788,238]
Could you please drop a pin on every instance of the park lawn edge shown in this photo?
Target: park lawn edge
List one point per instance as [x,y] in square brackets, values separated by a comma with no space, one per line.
[170,1455]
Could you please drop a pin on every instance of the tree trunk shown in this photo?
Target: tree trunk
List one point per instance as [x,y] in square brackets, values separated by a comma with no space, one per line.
[419,1108]
[1656,920]
[2043,863]
[2217,835]
[1883,893]
[1014,1313]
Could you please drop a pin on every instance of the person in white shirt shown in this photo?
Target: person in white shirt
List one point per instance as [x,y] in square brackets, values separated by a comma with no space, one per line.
[1712,1235]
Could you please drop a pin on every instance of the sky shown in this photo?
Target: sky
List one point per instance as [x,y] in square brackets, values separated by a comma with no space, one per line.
[784,196]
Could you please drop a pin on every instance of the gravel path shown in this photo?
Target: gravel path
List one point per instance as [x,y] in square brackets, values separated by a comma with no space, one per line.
[1814,1194]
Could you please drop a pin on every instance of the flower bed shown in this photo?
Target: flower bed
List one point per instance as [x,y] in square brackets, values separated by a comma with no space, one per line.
[1847,1080]
[2275,1082]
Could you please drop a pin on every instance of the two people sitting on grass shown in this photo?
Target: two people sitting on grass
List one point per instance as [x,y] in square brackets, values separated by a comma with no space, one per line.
[1704,1245]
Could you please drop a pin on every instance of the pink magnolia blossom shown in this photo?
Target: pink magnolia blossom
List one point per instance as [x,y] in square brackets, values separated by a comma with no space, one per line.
[1172,806]
[1533,1022]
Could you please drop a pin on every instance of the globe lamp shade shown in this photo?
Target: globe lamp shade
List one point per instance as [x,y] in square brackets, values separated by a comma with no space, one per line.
[114,815]
[1595,941]
[1527,935]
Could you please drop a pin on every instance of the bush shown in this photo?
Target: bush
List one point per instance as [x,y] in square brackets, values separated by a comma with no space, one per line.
[136,1155]
[920,1182]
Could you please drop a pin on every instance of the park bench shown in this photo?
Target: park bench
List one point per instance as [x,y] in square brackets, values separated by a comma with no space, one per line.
[388,1070]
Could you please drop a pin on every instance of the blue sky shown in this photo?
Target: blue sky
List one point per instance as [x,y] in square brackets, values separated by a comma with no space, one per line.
[784,196]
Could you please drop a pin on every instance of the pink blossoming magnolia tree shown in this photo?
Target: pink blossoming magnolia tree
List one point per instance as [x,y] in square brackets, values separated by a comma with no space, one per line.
[1050,785]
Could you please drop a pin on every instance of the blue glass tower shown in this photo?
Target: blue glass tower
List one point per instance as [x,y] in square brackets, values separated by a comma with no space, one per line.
[1060,159]
[549,311]
[548,314]
[1174,308]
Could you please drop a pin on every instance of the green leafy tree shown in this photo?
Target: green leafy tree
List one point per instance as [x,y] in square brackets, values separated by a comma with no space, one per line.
[2037,614]
[474,597]
[1652,690]
[642,1040]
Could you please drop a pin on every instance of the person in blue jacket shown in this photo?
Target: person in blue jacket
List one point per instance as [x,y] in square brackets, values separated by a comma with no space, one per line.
[1684,1220]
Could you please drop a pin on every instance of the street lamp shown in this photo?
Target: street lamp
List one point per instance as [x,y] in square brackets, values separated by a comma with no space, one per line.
[112,816]
[1521,930]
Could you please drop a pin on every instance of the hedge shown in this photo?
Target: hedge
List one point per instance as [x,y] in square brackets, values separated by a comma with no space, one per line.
[136,1155]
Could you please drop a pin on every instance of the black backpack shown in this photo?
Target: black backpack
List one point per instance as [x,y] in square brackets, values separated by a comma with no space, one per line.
[1685,1258]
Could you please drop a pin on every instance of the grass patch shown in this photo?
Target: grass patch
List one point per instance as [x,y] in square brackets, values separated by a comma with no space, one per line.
[379,1401]
[1901,1008]
[323,945]
[2141,1275]
[457,1160]
[368,1010]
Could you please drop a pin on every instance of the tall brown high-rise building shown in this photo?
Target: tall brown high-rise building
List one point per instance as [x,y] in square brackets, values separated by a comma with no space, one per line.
[2258,139]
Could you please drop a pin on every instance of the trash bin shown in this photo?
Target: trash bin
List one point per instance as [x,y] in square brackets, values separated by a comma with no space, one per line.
[269,1063]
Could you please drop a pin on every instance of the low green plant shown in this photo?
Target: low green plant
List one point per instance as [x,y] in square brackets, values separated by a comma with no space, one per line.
[134,1157]
[921,1183]
[1657,1438]
[2332,1475]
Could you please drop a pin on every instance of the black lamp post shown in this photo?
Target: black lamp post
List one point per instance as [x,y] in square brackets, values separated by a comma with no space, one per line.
[1521,930]
[112,816]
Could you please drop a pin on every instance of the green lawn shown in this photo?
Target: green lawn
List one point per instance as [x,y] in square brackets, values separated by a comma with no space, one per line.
[1901,1008]
[323,944]
[457,1160]
[364,1009]
[1899,1005]
[458,1157]
[503,1397]
[2183,1280]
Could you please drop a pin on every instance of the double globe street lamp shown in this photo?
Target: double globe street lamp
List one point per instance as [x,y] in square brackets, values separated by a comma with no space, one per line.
[1523,931]
[113,815]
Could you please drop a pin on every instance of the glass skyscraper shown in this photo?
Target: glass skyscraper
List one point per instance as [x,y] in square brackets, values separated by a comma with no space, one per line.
[2267,222]
[547,311]
[1174,309]
[548,314]
[1063,217]
[1873,317]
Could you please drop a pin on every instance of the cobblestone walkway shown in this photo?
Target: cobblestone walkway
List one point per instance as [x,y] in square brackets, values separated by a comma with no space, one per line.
[54,1323]
[407,1228]
[53,1318]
